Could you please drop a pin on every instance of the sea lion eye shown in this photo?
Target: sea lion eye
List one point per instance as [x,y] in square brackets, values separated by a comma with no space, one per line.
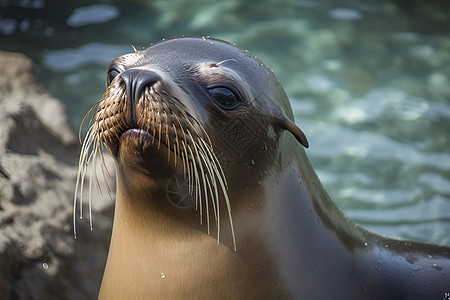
[225,97]
[112,73]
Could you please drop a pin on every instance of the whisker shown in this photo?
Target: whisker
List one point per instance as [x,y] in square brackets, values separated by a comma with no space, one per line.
[184,164]
[216,163]
[214,194]
[87,156]
[93,174]
[105,170]
[199,192]
[82,164]
[187,164]
[205,185]
[176,134]
[225,60]
[221,178]
[160,129]
[174,149]
[84,118]
[195,173]
[167,138]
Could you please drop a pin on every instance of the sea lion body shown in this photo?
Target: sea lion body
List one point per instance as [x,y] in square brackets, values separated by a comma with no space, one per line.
[282,236]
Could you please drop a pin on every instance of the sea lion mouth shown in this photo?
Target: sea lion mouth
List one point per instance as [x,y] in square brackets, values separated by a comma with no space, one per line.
[138,139]
[140,151]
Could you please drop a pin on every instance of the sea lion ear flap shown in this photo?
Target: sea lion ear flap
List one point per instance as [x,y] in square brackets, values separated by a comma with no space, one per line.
[290,126]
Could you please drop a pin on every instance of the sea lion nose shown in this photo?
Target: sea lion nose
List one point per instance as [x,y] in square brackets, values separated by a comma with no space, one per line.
[136,80]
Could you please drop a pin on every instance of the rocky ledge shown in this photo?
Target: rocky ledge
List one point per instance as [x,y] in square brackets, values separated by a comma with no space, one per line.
[39,257]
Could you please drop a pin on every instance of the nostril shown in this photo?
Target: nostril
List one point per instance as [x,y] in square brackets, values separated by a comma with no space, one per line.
[136,80]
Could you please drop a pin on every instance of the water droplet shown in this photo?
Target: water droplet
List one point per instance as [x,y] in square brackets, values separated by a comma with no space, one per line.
[365,244]
[437,267]
[386,246]
[252,163]
[45,266]
[163,276]
[429,256]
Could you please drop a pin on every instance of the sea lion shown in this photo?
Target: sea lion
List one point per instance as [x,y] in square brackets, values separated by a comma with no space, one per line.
[216,197]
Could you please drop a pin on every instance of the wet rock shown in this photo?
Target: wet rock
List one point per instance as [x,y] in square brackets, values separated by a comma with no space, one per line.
[39,257]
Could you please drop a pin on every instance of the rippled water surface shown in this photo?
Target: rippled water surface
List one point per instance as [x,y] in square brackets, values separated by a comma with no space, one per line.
[369,83]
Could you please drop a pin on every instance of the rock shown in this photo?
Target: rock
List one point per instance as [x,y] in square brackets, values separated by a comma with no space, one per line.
[39,257]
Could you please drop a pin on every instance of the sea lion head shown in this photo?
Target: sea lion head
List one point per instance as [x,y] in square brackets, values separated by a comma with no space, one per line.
[199,107]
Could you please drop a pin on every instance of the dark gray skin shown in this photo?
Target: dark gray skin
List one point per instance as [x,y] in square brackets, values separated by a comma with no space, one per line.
[291,239]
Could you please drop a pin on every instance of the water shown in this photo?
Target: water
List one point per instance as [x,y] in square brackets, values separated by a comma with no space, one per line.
[368,82]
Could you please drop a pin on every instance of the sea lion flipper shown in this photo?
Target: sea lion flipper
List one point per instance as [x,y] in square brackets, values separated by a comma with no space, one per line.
[290,126]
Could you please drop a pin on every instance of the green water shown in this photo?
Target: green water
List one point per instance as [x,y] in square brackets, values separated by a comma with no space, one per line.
[369,83]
